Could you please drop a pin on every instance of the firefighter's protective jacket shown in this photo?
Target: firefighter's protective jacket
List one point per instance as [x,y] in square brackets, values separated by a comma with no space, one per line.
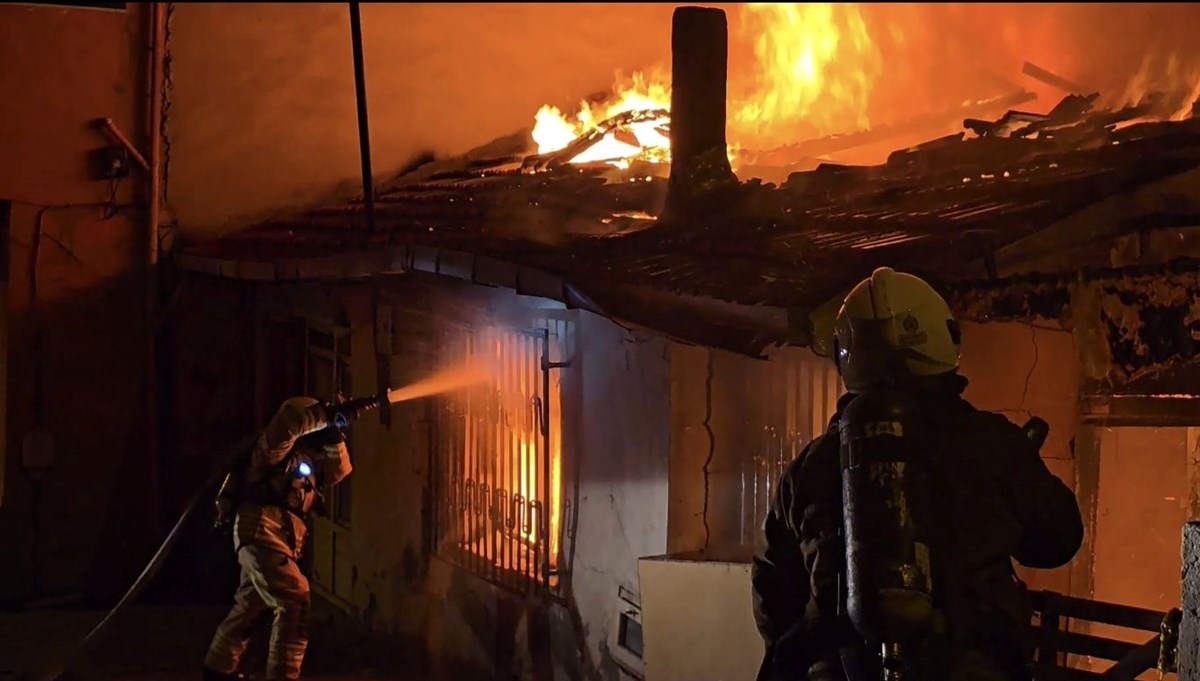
[279,524]
[994,501]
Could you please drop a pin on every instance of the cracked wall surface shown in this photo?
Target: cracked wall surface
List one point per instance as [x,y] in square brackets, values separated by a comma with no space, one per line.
[1016,369]
[1132,325]
[1020,371]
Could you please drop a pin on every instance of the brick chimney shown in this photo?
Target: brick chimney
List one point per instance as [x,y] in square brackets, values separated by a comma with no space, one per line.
[699,70]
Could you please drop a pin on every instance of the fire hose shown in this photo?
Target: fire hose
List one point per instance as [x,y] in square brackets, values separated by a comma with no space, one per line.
[339,415]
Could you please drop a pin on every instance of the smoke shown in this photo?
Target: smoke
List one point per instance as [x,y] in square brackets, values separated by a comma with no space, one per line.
[938,55]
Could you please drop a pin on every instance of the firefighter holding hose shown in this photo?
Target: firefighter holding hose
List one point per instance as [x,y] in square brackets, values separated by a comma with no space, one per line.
[888,547]
[268,497]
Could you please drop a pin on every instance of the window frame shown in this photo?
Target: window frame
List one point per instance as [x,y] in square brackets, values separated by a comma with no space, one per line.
[338,498]
[499,557]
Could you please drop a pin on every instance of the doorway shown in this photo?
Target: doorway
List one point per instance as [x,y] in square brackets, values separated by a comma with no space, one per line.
[1141,508]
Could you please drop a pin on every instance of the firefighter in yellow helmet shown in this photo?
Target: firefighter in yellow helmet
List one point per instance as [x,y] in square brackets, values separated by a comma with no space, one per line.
[995,501]
[268,496]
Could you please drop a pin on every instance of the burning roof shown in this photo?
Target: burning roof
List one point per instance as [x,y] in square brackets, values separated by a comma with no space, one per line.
[930,208]
[584,220]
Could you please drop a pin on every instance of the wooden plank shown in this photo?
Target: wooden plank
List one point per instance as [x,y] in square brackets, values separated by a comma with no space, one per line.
[1047,657]
[1140,659]
[1085,644]
[1102,612]
[1066,674]
[1042,75]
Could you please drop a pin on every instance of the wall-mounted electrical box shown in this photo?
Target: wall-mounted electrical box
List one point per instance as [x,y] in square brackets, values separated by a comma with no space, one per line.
[626,633]
[108,163]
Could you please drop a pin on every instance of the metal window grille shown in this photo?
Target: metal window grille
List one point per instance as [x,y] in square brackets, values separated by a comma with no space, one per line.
[498,463]
[803,390]
[327,374]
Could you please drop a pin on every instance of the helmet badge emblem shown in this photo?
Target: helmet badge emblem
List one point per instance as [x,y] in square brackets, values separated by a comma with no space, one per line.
[912,335]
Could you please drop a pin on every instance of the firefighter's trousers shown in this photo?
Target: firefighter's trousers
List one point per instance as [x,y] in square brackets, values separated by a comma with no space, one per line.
[270,581]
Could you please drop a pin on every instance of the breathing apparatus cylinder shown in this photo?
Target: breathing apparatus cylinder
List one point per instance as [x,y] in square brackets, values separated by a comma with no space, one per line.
[885,491]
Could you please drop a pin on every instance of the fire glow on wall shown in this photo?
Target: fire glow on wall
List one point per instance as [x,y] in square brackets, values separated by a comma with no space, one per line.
[499,462]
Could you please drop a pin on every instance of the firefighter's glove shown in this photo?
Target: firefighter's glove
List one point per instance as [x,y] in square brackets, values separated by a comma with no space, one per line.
[330,436]
[342,414]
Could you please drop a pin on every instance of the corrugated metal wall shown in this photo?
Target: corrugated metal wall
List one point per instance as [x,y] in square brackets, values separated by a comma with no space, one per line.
[799,396]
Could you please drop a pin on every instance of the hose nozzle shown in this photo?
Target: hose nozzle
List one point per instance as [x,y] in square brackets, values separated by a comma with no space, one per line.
[342,414]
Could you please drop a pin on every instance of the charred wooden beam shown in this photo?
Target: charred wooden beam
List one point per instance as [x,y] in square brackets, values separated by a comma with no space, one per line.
[699,66]
[1043,76]
[1069,111]
[877,135]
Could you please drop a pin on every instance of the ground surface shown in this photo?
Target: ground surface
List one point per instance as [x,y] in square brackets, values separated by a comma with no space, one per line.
[168,644]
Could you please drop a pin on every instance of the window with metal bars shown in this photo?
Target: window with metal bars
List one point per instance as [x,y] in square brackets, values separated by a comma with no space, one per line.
[327,374]
[498,461]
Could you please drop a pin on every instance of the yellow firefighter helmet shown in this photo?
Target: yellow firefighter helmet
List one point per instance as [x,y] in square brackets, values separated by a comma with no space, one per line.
[893,327]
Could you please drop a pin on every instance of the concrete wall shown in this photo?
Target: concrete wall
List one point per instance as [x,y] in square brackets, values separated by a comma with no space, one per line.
[1022,371]
[59,69]
[624,444]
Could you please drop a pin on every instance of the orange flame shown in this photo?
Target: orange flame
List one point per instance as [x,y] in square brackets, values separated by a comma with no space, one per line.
[801,71]
[1172,77]
[815,67]
[553,131]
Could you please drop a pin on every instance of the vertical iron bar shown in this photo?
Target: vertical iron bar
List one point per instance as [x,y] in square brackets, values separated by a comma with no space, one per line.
[505,460]
[469,464]
[547,508]
[459,461]
[364,135]
[529,481]
[483,451]
[522,467]
[485,462]
[480,444]
[514,449]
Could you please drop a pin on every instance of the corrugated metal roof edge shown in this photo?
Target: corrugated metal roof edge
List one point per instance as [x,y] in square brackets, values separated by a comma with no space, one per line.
[484,271]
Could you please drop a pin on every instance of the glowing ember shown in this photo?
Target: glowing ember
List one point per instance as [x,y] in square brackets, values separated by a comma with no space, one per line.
[815,66]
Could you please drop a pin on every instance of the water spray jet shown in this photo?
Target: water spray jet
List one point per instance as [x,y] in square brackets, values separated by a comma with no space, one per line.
[462,375]
[456,377]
